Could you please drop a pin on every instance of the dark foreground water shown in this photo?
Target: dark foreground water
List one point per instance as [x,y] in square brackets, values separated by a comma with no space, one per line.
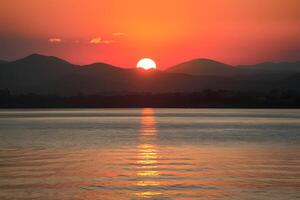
[150,154]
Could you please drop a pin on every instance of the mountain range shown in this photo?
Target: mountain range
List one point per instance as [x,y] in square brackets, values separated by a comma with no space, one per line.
[51,75]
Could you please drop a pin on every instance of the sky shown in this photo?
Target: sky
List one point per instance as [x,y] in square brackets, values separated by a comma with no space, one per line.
[120,32]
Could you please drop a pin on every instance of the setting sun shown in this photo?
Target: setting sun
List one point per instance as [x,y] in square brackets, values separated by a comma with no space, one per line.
[146,63]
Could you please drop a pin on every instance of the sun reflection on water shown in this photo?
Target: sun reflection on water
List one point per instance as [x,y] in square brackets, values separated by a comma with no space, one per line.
[147,155]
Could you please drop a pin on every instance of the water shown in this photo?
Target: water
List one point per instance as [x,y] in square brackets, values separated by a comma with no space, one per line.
[148,153]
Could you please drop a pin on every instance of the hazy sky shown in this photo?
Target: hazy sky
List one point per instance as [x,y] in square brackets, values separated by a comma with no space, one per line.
[121,32]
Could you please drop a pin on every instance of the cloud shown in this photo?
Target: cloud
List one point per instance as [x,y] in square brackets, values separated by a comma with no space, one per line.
[118,34]
[55,40]
[99,40]
[96,40]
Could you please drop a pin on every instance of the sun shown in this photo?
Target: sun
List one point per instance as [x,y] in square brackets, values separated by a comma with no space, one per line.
[146,63]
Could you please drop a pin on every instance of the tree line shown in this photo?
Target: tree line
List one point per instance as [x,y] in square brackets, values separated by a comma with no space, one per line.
[203,99]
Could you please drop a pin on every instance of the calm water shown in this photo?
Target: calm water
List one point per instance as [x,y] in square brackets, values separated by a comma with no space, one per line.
[150,154]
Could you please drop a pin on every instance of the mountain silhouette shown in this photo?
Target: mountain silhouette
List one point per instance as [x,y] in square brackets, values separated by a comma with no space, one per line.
[51,75]
[33,71]
[271,66]
[203,67]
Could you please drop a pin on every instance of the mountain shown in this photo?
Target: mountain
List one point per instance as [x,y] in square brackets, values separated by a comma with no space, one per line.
[262,71]
[34,71]
[46,74]
[203,67]
[271,66]
[51,75]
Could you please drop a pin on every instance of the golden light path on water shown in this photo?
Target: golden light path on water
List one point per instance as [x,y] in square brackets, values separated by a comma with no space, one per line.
[147,153]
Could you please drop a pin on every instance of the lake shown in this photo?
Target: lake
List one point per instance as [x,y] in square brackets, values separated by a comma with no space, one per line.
[116,154]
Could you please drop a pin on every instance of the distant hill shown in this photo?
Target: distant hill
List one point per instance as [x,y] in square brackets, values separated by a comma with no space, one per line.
[51,75]
[34,71]
[39,74]
[271,66]
[203,67]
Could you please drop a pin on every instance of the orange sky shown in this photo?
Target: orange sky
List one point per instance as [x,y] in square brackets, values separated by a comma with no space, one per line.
[122,31]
